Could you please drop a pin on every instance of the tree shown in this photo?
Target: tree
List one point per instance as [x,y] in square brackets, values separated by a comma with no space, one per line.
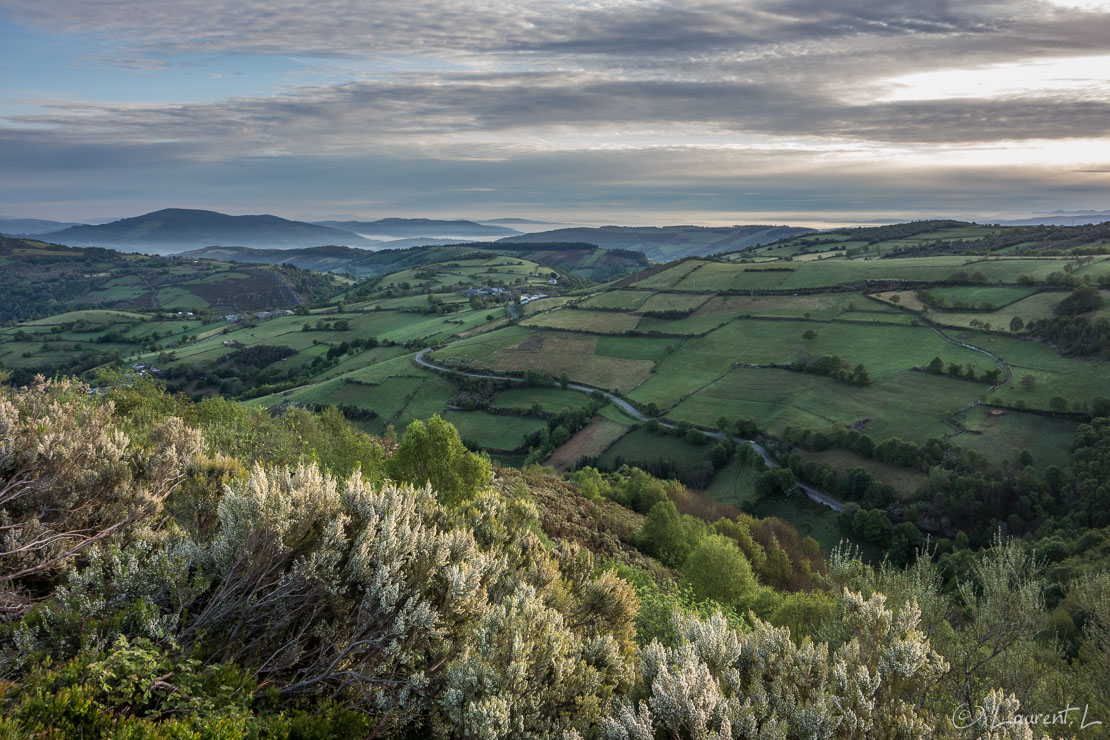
[559,435]
[671,536]
[935,366]
[1082,300]
[860,376]
[564,380]
[1028,382]
[639,491]
[810,334]
[1016,324]
[695,437]
[778,569]
[774,482]
[1058,403]
[590,482]
[432,453]
[717,569]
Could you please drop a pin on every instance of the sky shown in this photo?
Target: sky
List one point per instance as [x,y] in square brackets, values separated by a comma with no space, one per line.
[588,111]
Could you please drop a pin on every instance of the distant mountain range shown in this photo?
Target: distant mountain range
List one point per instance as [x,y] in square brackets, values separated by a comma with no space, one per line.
[519,221]
[418,227]
[173,229]
[176,229]
[181,229]
[665,243]
[31,226]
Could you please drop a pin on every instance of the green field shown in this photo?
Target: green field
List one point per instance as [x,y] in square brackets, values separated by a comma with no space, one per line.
[1000,434]
[518,348]
[641,446]
[673,302]
[703,360]
[625,300]
[601,322]
[977,296]
[905,480]
[777,398]
[495,432]
[745,312]
[701,275]
[552,400]
[734,484]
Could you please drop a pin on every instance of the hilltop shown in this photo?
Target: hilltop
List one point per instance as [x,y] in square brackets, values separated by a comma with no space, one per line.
[665,243]
[175,229]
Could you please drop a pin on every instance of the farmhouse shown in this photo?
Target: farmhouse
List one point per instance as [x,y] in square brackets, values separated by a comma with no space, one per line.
[484,290]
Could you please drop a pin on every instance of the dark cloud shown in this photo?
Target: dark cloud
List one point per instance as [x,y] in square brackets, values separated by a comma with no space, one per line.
[805,77]
[332,117]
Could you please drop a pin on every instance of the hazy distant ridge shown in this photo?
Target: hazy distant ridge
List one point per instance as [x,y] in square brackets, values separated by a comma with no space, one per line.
[182,228]
[413,227]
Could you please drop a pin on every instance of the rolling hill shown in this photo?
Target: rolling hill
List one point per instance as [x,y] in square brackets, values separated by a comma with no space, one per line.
[38,278]
[580,260]
[940,237]
[665,243]
[175,229]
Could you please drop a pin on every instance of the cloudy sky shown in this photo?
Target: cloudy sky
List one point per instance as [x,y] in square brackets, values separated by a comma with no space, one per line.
[632,111]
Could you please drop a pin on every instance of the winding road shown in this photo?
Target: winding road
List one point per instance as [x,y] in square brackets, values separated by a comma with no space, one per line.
[813,493]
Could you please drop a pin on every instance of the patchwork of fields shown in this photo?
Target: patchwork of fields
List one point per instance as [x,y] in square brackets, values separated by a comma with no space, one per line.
[750,336]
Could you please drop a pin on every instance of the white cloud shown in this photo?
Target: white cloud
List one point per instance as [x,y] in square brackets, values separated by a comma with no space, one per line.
[1087,76]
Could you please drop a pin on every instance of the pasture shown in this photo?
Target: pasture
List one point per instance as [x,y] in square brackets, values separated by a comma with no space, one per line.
[1002,434]
[491,431]
[703,275]
[624,300]
[590,441]
[904,480]
[600,322]
[777,398]
[643,449]
[734,484]
[552,400]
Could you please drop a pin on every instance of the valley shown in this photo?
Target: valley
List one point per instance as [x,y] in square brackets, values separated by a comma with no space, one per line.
[790,346]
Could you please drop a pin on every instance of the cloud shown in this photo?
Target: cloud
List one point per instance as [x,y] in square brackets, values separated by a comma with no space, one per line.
[774,88]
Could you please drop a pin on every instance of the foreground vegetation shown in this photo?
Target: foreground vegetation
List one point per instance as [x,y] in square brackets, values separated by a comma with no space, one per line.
[181,569]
